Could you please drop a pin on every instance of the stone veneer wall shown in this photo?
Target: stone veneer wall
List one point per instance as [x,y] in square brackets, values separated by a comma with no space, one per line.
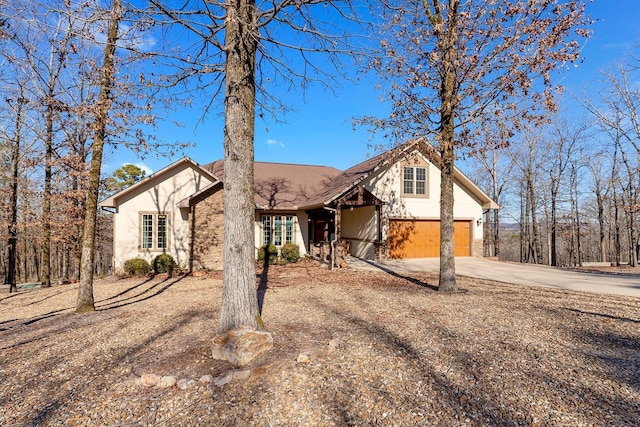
[208,231]
[477,250]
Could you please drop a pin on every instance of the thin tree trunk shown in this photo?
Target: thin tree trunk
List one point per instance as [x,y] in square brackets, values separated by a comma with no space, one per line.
[601,223]
[522,222]
[578,239]
[239,295]
[45,276]
[616,237]
[12,242]
[495,213]
[85,301]
[535,229]
[554,230]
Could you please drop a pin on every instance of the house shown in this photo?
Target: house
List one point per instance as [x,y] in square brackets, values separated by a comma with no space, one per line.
[385,207]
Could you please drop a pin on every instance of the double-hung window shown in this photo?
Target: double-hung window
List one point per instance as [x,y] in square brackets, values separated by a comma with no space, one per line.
[414,181]
[154,231]
[277,229]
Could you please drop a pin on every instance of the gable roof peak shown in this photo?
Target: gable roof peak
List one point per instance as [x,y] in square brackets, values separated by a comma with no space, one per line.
[111,200]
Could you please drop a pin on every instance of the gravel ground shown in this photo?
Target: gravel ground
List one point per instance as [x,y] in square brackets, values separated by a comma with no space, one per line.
[494,354]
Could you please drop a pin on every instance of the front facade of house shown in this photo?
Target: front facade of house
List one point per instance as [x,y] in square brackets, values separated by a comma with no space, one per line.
[148,220]
[385,207]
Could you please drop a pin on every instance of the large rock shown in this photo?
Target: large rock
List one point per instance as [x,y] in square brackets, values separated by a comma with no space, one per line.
[167,381]
[241,345]
[227,377]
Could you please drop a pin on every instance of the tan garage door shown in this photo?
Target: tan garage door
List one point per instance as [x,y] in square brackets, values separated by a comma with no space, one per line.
[421,238]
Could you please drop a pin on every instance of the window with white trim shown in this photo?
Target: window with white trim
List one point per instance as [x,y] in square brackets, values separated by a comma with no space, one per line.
[277,229]
[414,181]
[154,231]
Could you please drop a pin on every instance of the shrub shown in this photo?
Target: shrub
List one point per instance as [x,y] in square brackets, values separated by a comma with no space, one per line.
[137,267]
[164,263]
[269,252]
[290,253]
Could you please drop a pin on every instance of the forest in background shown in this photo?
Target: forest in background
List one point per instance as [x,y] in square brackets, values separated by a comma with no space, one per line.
[569,189]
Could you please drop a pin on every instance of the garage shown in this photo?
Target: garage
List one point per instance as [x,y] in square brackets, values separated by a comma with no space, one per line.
[421,238]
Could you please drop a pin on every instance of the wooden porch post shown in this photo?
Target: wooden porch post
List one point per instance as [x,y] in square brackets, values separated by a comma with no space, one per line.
[379,246]
[336,236]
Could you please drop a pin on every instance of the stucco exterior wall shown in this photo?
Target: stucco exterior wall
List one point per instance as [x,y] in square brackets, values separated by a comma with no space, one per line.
[359,227]
[387,186]
[159,195]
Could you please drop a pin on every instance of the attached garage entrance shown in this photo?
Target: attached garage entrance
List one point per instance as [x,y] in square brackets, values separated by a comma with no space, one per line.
[421,238]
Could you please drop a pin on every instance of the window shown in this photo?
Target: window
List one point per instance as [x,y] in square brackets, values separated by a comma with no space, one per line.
[154,231]
[277,231]
[266,230]
[288,236]
[147,231]
[162,232]
[414,181]
[280,233]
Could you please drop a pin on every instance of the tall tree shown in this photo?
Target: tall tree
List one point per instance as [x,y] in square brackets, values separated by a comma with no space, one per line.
[617,111]
[41,36]
[565,140]
[601,188]
[527,158]
[85,300]
[494,173]
[12,243]
[123,177]
[248,46]
[453,66]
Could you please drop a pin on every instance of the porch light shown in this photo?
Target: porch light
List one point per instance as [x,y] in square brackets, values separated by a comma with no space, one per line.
[479,222]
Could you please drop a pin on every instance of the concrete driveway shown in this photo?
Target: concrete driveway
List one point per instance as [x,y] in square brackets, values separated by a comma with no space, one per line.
[519,274]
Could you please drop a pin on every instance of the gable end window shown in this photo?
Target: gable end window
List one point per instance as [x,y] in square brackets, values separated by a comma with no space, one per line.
[414,181]
[154,231]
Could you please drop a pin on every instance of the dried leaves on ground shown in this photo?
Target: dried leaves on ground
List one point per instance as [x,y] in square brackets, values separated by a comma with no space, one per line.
[405,355]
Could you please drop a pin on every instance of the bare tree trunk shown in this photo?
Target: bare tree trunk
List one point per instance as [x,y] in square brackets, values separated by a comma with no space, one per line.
[523,222]
[601,222]
[448,105]
[554,231]
[239,294]
[45,276]
[85,301]
[495,213]
[12,242]
[631,224]
[616,237]
[574,187]
[447,281]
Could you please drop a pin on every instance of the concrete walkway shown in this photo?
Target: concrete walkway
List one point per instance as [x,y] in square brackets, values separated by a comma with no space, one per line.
[519,274]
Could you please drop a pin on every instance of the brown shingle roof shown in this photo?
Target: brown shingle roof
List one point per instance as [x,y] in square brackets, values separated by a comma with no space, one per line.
[284,186]
[359,172]
[289,186]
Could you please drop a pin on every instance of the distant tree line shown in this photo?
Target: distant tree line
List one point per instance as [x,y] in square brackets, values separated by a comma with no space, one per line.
[570,190]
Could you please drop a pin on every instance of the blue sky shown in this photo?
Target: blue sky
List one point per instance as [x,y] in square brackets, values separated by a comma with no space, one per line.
[320,130]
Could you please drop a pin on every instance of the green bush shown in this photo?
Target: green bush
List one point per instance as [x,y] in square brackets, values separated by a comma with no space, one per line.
[164,263]
[290,253]
[269,252]
[137,267]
